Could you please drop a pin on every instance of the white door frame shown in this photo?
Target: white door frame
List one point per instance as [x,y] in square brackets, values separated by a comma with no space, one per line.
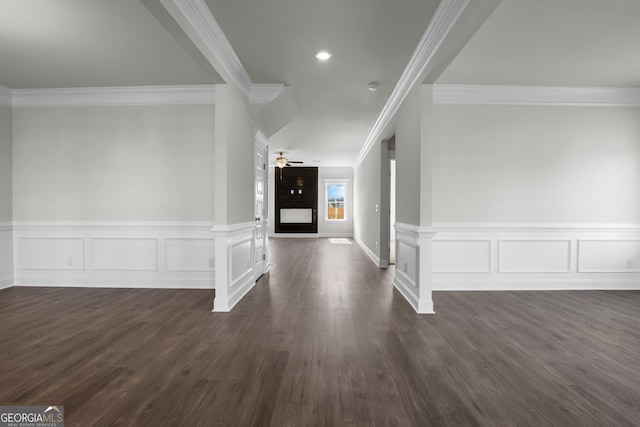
[261,154]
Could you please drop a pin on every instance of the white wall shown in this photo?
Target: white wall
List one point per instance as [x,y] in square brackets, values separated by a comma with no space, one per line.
[408,165]
[234,183]
[6,168]
[536,197]
[367,201]
[124,163]
[234,169]
[537,164]
[116,196]
[6,162]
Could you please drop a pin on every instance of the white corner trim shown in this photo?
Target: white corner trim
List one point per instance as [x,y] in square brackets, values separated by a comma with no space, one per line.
[105,96]
[264,93]
[537,95]
[226,230]
[211,35]
[415,230]
[6,98]
[443,20]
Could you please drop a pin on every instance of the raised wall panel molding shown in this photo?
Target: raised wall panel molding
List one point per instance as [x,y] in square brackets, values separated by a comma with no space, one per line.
[534,256]
[536,95]
[124,254]
[539,256]
[609,255]
[462,256]
[235,262]
[108,96]
[414,265]
[443,20]
[202,22]
[113,254]
[6,97]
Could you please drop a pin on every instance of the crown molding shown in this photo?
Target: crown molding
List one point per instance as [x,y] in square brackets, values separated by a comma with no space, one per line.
[105,96]
[536,95]
[6,98]
[443,20]
[201,22]
[264,93]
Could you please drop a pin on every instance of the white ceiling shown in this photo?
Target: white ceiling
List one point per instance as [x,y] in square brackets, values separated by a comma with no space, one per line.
[101,43]
[90,43]
[553,43]
[371,40]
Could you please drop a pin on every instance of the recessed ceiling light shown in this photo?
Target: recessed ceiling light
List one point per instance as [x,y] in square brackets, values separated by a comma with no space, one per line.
[373,86]
[323,55]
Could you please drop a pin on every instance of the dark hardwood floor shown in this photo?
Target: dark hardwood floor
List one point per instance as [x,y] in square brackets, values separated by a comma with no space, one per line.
[322,340]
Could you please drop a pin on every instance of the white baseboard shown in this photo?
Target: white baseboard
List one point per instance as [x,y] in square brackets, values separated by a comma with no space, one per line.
[369,253]
[512,257]
[114,254]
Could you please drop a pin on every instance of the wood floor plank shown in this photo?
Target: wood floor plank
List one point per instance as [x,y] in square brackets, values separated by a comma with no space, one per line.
[323,340]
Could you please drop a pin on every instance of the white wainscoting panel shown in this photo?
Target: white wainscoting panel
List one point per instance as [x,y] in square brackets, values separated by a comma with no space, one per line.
[114,254]
[51,253]
[235,249]
[413,271]
[189,254]
[6,255]
[609,256]
[462,256]
[240,260]
[534,256]
[124,254]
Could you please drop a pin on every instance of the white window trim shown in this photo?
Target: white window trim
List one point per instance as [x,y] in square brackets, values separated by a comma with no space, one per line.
[327,182]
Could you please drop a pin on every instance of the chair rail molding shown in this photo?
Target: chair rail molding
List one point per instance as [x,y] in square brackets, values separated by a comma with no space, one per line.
[235,263]
[413,274]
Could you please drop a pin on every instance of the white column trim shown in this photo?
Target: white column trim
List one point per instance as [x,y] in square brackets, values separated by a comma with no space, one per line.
[230,290]
[443,20]
[201,21]
[536,95]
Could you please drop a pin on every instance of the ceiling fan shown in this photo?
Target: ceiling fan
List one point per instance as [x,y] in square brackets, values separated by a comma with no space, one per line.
[282,162]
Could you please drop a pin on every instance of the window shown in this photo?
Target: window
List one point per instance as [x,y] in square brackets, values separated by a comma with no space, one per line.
[335,195]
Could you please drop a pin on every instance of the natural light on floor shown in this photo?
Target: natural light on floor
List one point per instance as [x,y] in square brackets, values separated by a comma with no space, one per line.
[339,241]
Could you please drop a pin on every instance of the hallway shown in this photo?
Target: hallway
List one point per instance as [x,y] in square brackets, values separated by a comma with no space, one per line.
[322,340]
